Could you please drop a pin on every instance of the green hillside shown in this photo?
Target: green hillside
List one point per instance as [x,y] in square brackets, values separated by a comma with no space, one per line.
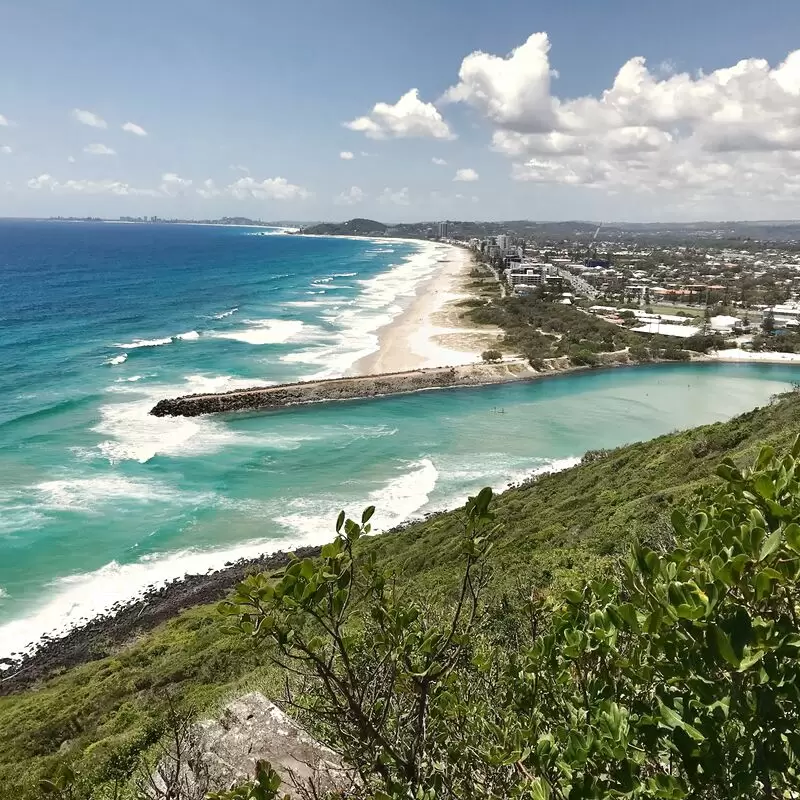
[553,532]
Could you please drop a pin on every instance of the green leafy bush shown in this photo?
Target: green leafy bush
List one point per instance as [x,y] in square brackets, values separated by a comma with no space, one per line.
[682,680]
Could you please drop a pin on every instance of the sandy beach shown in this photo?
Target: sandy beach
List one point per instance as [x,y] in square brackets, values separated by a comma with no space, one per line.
[429,333]
[737,355]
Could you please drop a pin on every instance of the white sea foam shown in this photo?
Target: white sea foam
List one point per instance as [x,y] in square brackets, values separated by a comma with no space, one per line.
[133,434]
[89,494]
[132,379]
[137,343]
[230,312]
[145,343]
[3,593]
[263,331]
[16,515]
[396,501]
[492,469]
[120,359]
[378,302]
[78,598]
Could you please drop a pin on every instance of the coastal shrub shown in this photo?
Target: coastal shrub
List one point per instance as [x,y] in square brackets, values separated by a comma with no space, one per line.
[680,680]
[583,358]
[491,355]
[539,329]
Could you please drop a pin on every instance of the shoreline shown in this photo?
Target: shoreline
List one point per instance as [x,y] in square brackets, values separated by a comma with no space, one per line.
[408,342]
[99,636]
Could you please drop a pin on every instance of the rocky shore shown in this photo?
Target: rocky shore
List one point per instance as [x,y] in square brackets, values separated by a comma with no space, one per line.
[362,387]
[102,635]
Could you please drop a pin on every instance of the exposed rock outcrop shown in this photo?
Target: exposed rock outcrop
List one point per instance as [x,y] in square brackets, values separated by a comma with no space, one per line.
[252,728]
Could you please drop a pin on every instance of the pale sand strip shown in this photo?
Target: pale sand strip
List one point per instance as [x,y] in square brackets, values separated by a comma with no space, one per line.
[413,339]
[765,358]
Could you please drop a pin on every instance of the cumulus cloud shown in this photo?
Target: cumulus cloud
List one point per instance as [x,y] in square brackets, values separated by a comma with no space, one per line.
[408,117]
[350,197]
[346,155]
[99,150]
[397,197]
[513,91]
[268,189]
[172,184]
[440,162]
[467,175]
[4,123]
[88,118]
[71,159]
[209,189]
[734,130]
[136,130]
[6,148]
[120,188]
[243,188]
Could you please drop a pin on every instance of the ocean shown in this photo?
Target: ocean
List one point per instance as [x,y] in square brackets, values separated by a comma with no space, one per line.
[98,321]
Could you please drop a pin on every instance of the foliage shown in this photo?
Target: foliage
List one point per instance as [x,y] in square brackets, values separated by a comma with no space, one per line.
[376,669]
[680,681]
[539,329]
[101,717]
[768,321]
[491,355]
[264,786]
[554,532]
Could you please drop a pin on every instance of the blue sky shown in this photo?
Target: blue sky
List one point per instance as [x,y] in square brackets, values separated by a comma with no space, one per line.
[245,107]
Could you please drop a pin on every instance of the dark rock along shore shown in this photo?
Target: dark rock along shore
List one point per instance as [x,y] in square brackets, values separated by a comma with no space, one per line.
[100,636]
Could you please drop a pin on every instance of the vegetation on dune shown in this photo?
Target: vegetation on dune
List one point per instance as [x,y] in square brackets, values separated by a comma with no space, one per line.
[552,535]
[539,329]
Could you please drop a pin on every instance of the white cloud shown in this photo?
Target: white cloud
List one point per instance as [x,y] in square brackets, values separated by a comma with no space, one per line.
[467,175]
[46,181]
[440,162]
[239,168]
[4,123]
[408,117]
[268,189]
[71,159]
[350,197]
[511,92]
[88,118]
[209,189]
[99,150]
[346,155]
[397,198]
[132,127]
[242,189]
[7,149]
[40,182]
[172,184]
[733,131]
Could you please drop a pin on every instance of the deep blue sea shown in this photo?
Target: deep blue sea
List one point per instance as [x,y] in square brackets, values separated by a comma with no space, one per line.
[98,321]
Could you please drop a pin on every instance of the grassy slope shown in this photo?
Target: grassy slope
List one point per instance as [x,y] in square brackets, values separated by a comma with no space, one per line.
[555,531]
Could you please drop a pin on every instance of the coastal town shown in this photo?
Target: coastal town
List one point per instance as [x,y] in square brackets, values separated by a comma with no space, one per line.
[743,294]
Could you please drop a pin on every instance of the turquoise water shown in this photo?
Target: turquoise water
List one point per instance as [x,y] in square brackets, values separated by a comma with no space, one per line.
[99,500]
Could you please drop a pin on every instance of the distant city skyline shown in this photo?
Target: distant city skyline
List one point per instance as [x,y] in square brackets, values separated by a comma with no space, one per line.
[514,110]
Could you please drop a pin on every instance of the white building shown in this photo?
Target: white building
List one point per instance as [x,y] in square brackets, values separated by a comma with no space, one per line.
[444,230]
[667,329]
[788,313]
[527,275]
